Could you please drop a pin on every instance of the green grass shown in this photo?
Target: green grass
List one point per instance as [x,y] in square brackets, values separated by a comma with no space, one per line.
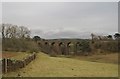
[46,66]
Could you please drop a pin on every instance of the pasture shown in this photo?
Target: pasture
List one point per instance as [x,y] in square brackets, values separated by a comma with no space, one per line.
[46,66]
[15,55]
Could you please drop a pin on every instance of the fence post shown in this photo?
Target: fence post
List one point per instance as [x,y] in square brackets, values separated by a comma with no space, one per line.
[6,65]
[3,66]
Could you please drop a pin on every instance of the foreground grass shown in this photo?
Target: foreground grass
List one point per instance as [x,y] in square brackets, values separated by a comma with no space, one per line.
[46,66]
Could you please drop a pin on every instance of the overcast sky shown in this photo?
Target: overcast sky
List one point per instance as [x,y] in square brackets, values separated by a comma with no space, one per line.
[63,19]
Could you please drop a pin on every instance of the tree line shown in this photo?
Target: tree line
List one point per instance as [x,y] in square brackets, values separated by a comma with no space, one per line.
[116,36]
[109,43]
[17,38]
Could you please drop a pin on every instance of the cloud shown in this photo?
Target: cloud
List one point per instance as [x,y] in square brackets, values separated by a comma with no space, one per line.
[61,34]
[63,19]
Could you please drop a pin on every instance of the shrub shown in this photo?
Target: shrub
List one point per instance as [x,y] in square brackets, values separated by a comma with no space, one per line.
[111,46]
[85,46]
[21,45]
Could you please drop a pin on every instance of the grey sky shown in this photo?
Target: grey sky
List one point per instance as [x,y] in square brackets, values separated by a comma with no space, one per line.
[63,19]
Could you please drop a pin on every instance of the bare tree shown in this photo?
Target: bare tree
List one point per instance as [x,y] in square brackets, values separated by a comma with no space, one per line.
[109,37]
[24,32]
[3,30]
[117,36]
[92,35]
[14,31]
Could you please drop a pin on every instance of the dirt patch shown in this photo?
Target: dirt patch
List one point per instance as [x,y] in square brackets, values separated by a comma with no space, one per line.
[8,55]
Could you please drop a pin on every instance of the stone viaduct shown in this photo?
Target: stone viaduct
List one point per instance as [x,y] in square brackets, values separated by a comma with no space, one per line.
[62,47]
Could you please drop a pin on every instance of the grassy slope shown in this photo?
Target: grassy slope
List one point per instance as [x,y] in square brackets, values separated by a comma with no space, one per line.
[107,58]
[45,66]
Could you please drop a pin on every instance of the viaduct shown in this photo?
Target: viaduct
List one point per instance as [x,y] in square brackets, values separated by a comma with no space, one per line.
[62,47]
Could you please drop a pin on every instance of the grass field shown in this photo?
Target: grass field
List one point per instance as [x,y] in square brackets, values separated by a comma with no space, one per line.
[15,55]
[101,58]
[46,66]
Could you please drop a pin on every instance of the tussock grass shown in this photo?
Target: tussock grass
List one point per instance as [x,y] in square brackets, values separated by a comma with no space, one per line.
[101,58]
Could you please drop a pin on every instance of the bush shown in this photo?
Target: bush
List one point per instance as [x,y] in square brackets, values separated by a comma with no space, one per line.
[85,46]
[19,45]
[53,54]
[111,46]
[33,47]
[97,45]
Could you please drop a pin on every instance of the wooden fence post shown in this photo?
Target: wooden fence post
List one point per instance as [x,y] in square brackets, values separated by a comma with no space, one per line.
[6,65]
[3,66]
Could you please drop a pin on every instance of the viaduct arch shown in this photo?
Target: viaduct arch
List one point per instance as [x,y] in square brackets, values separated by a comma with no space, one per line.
[60,47]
